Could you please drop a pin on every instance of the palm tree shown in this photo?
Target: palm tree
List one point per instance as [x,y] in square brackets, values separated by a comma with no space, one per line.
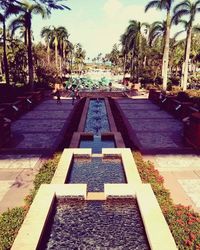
[19,23]
[58,40]
[27,10]
[62,42]
[134,42]
[164,5]
[9,10]
[189,9]
[79,55]
[46,34]
[125,50]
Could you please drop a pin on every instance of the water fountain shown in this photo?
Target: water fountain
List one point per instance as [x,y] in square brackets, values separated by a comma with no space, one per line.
[95,202]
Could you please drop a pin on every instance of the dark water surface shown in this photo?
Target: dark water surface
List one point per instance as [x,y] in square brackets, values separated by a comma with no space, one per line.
[96,171]
[97,144]
[112,224]
[97,119]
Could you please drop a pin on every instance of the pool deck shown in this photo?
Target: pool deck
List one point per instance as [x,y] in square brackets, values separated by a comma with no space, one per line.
[34,136]
[158,135]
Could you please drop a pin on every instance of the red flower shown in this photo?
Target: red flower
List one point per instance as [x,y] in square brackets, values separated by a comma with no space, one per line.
[192,236]
[188,243]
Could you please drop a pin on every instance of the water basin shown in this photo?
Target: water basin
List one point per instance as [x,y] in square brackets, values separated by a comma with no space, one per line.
[96,171]
[111,224]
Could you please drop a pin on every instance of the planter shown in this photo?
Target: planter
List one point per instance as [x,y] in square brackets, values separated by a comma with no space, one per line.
[192,130]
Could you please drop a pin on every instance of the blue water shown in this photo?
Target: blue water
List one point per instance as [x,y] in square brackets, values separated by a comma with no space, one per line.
[96,171]
[112,224]
[97,144]
[97,119]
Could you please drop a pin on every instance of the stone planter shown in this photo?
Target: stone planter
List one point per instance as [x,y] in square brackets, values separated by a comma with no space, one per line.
[192,130]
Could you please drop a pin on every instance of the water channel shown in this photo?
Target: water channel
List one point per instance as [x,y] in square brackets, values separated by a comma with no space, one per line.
[112,224]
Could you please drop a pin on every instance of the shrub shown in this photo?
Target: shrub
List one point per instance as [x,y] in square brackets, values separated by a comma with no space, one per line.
[10,223]
[183,222]
[44,176]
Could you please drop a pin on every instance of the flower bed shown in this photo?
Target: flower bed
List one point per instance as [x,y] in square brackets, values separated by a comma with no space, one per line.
[184,223]
[11,220]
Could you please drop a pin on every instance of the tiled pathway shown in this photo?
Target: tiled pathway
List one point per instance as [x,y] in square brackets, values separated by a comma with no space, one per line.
[159,136]
[34,134]
[38,130]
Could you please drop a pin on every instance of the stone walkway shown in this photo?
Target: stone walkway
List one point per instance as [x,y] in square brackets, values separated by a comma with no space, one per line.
[38,130]
[159,137]
[35,134]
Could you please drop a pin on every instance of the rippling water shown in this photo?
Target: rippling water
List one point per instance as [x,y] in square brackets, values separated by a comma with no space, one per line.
[97,120]
[112,224]
[96,171]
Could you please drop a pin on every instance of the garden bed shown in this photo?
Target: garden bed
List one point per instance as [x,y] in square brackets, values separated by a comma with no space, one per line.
[183,222]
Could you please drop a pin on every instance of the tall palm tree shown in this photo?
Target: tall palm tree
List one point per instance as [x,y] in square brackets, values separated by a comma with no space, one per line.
[134,40]
[62,42]
[164,5]
[125,50]
[9,10]
[46,33]
[57,37]
[79,56]
[190,10]
[158,30]
[27,10]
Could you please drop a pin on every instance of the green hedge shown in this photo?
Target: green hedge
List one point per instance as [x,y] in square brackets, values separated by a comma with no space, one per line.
[183,222]
[11,221]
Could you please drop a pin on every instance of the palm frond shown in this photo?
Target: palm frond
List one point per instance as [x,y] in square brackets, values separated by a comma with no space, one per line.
[182,5]
[178,15]
[152,4]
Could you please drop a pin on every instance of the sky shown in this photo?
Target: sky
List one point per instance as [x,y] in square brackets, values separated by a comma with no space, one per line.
[97,24]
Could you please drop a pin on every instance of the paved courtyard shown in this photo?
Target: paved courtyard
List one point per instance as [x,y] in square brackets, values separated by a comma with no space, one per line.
[160,137]
[16,178]
[38,130]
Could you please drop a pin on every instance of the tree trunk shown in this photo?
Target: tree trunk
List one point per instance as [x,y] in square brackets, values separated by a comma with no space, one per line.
[132,63]
[30,57]
[56,51]
[124,68]
[5,59]
[60,65]
[187,57]
[48,53]
[166,52]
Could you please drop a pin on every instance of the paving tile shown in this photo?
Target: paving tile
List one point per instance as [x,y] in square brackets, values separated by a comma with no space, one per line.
[18,161]
[156,125]
[192,188]
[4,187]
[37,141]
[37,125]
[177,162]
[42,114]
[150,140]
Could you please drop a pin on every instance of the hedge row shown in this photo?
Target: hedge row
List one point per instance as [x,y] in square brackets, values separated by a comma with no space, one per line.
[183,222]
[11,220]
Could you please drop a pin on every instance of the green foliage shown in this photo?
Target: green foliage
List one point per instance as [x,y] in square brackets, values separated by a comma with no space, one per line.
[10,223]
[184,223]
[44,176]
